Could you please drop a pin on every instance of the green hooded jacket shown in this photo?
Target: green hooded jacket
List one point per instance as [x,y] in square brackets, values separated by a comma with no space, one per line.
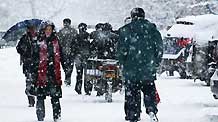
[140,49]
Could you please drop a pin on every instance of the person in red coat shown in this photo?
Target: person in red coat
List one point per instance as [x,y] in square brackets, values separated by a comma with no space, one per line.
[47,76]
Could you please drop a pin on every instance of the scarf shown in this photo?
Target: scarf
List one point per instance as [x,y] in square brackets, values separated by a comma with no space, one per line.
[42,70]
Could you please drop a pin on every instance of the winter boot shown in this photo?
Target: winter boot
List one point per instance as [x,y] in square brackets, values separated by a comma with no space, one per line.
[78,92]
[57,120]
[40,109]
[31,105]
[56,109]
[88,93]
[40,119]
[153,117]
[133,121]
[67,82]
[31,100]
[128,119]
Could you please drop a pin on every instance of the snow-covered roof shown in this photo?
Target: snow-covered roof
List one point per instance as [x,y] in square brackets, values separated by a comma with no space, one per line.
[204,28]
[200,20]
[179,30]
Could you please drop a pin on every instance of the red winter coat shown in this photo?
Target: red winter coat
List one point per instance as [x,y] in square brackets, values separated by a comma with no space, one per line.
[47,62]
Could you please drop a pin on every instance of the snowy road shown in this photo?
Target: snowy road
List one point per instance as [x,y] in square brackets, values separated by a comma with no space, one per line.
[181,100]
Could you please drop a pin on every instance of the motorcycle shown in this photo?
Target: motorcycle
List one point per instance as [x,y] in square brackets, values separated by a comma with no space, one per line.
[105,76]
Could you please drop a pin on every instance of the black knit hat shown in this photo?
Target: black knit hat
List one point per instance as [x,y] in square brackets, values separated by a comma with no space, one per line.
[46,23]
[137,12]
[67,21]
[82,26]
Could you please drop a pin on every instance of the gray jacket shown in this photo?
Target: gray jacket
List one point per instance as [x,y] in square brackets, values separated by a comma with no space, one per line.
[67,37]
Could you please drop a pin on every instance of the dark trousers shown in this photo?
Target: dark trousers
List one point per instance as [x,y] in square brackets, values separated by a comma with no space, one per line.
[31,98]
[40,108]
[68,73]
[132,104]
[80,68]
[68,63]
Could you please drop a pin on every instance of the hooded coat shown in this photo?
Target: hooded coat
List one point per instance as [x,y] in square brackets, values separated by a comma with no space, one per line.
[140,49]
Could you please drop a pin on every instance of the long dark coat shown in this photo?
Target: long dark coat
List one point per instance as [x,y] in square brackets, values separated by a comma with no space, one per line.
[52,85]
[139,50]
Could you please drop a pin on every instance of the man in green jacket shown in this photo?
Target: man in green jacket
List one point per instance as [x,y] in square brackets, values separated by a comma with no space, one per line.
[139,52]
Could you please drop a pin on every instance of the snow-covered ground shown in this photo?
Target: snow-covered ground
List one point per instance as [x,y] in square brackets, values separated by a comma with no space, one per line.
[181,100]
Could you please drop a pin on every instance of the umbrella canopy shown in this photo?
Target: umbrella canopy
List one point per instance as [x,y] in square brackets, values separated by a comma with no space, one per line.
[17,30]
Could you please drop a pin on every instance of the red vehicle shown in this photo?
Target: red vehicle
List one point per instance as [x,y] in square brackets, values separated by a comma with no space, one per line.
[177,52]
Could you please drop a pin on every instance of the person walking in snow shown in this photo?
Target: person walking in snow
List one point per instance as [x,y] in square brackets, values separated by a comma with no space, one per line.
[47,78]
[25,49]
[67,37]
[139,52]
[81,56]
[95,37]
[103,46]
[104,41]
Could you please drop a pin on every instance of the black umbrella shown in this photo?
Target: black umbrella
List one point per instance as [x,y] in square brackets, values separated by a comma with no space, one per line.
[17,30]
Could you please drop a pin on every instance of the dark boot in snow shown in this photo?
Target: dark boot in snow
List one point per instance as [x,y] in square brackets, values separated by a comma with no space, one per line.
[31,105]
[57,120]
[41,119]
[40,109]
[67,81]
[78,86]
[88,87]
[99,93]
[153,117]
[88,93]
[31,100]
[128,119]
[78,91]
[56,109]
